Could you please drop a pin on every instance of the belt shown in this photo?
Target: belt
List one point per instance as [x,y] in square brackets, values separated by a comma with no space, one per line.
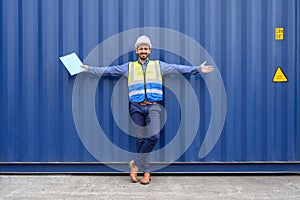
[144,103]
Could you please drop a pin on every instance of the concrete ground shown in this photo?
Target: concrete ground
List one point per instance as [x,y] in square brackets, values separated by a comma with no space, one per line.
[206,187]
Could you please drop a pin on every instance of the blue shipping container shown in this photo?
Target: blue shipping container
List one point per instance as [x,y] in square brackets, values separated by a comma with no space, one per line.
[244,117]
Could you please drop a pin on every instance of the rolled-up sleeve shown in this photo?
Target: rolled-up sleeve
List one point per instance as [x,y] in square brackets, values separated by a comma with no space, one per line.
[167,68]
[116,70]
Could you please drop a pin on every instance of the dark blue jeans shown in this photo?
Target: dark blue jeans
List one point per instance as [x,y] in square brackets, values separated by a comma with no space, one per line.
[146,127]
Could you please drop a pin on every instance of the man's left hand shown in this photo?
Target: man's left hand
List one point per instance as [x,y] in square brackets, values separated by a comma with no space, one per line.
[206,68]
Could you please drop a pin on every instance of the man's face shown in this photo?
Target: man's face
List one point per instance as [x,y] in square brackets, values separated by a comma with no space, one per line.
[143,51]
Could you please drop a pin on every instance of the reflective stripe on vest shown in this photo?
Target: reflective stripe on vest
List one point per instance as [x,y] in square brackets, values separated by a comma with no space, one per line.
[151,82]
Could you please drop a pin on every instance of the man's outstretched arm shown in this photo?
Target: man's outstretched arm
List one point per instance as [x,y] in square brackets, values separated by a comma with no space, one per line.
[116,70]
[185,69]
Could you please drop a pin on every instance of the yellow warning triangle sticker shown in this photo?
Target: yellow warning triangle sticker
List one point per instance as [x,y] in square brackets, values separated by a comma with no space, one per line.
[279,76]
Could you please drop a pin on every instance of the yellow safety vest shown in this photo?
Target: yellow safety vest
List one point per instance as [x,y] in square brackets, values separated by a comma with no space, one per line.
[142,85]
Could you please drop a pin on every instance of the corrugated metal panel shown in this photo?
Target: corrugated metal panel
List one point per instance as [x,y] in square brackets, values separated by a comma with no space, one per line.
[262,119]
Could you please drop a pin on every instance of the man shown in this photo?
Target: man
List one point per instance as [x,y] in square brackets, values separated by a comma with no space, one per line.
[145,93]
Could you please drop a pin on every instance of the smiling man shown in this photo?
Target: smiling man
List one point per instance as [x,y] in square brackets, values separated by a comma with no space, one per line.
[145,92]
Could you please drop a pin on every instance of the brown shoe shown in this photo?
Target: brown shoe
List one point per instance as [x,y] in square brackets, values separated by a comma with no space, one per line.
[146,179]
[133,171]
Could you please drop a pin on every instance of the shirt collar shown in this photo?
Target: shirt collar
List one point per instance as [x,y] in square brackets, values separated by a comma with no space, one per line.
[145,62]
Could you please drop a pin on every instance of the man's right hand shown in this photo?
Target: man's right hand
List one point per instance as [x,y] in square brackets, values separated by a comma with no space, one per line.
[85,67]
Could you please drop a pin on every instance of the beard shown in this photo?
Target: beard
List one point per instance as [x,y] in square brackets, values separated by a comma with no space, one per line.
[143,56]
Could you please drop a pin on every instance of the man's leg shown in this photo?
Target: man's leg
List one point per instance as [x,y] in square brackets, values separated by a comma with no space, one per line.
[153,129]
[140,137]
[138,117]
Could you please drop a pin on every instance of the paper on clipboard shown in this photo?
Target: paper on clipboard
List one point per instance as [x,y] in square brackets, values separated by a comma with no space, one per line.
[72,63]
